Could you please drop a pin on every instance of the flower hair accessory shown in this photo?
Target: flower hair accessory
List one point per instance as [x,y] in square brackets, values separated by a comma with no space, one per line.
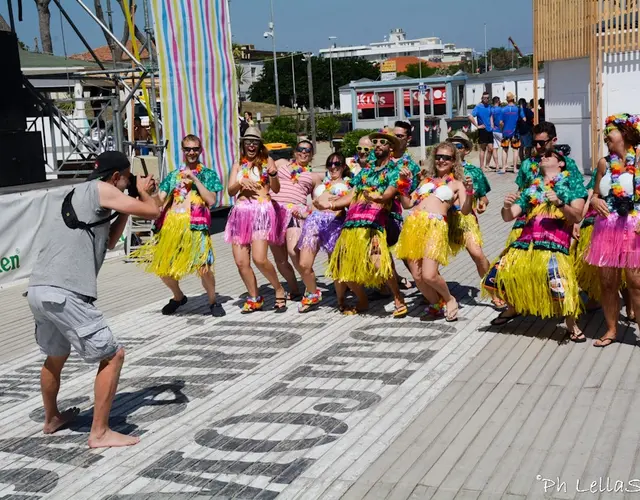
[622,119]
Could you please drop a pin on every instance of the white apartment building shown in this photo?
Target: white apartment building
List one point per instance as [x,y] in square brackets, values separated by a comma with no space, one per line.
[397,45]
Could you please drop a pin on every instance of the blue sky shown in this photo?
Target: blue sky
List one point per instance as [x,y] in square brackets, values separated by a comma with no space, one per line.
[306,24]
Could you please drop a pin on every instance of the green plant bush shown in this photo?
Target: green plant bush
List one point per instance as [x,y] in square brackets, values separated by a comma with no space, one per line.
[284,123]
[276,135]
[350,141]
[327,127]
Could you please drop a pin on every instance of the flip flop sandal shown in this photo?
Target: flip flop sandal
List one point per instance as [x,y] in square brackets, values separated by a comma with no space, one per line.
[281,305]
[605,342]
[578,339]
[400,312]
[498,303]
[293,297]
[502,320]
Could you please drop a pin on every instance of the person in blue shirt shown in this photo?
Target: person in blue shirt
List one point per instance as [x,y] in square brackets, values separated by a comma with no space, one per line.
[511,114]
[496,125]
[480,118]
[525,129]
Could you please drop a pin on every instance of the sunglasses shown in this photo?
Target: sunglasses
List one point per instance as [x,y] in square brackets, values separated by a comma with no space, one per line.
[252,143]
[554,154]
[362,149]
[334,164]
[303,150]
[458,145]
[381,142]
[541,144]
[189,150]
[401,136]
[444,158]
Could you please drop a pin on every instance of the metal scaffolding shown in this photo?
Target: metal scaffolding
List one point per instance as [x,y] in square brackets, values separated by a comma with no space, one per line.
[71,144]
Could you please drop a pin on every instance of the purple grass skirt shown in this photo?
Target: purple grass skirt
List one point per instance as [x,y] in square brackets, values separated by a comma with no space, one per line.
[614,242]
[252,220]
[320,231]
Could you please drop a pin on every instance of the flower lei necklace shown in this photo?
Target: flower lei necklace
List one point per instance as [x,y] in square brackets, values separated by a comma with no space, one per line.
[618,168]
[248,166]
[372,179]
[537,191]
[437,182]
[296,170]
[328,183]
[181,191]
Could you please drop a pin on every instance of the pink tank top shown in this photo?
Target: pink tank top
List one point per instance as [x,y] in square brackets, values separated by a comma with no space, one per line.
[290,192]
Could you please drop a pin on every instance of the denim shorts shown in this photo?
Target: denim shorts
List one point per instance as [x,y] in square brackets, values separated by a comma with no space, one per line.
[65,319]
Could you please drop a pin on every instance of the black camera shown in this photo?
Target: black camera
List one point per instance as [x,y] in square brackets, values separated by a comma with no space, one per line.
[623,206]
[132,188]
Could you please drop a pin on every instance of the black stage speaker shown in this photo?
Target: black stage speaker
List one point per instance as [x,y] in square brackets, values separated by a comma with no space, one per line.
[21,158]
[12,105]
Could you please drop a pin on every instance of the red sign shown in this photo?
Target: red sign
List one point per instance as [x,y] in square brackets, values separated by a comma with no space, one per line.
[366,100]
[439,93]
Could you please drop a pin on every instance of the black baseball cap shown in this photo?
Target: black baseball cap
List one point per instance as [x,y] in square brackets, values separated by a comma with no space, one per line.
[109,163]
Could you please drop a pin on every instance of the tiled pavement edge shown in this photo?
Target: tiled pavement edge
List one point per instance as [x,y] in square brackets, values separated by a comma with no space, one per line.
[319,405]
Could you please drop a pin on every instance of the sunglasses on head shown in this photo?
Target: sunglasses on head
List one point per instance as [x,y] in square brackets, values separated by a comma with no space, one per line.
[458,145]
[381,141]
[189,150]
[334,164]
[363,149]
[444,158]
[300,149]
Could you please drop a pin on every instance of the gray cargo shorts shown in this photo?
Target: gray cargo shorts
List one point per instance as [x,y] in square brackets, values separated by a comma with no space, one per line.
[64,319]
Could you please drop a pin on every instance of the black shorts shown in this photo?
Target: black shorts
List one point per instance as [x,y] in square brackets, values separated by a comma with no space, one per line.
[484,136]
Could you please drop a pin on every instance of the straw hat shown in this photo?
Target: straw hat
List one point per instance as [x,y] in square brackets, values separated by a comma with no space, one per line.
[252,133]
[460,136]
[387,133]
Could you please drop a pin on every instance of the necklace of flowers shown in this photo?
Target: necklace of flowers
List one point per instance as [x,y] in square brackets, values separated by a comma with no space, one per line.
[437,182]
[378,175]
[248,166]
[296,170]
[539,187]
[618,168]
[328,184]
[181,191]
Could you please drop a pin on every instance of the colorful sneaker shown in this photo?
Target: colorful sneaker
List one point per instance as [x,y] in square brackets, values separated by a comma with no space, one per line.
[252,304]
[310,301]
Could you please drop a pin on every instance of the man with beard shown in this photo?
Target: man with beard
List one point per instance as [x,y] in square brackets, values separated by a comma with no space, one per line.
[362,257]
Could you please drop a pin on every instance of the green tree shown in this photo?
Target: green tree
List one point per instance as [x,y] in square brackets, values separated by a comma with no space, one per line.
[413,70]
[344,71]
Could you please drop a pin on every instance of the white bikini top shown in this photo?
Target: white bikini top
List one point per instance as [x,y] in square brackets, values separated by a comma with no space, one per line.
[443,193]
[336,189]
[254,174]
[625,179]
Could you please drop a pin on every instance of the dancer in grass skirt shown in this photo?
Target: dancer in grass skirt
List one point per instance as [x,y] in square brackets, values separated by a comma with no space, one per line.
[615,241]
[255,221]
[182,244]
[535,274]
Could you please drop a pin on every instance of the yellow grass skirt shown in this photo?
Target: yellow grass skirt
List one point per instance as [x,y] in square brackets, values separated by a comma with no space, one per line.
[463,230]
[521,277]
[354,258]
[424,235]
[587,275]
[176,251]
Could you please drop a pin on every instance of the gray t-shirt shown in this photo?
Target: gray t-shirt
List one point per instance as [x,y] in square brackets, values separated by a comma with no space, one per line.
[71,258]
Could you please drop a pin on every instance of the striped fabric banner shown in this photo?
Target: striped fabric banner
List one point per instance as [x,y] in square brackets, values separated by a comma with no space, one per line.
[198,80]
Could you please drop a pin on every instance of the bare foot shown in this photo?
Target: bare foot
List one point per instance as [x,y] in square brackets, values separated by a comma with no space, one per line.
[112,439]
[60,420]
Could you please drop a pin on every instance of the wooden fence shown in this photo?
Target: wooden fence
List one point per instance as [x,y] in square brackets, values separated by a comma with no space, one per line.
[570,29]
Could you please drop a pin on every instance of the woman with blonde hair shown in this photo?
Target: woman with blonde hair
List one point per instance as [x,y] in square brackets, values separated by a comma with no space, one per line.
[424,240]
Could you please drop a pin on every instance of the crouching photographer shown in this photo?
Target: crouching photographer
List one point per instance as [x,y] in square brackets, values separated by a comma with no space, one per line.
[63,288]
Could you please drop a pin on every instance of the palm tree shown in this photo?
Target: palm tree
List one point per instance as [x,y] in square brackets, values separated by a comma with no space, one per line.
[44,22]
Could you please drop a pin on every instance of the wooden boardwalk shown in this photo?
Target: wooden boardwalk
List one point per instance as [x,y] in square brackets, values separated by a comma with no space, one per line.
[324,406]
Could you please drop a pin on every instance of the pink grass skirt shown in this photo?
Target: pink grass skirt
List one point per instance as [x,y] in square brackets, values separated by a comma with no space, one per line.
[252,220]
[614,242]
